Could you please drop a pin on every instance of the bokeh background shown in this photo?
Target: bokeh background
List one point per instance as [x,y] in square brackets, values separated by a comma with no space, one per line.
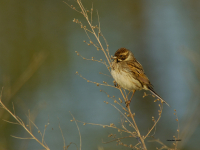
[38,62]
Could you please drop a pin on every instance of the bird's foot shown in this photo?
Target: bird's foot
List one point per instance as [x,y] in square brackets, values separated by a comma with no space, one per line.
[128,103]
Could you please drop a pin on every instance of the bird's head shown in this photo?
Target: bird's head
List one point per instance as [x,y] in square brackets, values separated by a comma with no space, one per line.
[123,54]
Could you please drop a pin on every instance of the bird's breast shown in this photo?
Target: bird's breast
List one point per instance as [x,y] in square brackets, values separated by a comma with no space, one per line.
[125,78]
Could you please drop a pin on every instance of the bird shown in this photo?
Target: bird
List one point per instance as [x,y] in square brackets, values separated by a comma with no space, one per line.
[129,73]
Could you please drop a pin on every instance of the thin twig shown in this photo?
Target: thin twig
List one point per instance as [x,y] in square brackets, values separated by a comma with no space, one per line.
[160,112]
[84,12]
[23,125]
[62,135]
[78,130]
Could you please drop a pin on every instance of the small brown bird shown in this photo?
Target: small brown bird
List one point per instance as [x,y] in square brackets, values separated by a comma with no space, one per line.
[129,73]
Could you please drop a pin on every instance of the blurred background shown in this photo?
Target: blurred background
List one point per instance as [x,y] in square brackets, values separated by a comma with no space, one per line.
[38,62]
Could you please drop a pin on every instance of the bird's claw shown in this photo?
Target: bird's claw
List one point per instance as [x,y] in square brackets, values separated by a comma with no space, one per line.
[128,103]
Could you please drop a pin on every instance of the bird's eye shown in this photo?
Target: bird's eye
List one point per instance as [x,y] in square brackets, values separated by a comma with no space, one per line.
[120,55]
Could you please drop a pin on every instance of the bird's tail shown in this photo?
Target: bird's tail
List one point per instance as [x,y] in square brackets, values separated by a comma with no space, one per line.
[154,93]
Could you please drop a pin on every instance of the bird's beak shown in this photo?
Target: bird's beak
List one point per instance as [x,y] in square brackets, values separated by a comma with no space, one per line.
[113,57]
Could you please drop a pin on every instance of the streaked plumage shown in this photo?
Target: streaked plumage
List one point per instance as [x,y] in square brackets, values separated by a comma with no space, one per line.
[129,73]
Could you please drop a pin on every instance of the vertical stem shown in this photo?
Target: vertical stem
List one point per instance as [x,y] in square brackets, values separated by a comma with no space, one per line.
[132,117]
[137,130]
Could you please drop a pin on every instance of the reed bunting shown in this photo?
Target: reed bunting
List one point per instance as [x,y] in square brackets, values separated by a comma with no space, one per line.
[129,73]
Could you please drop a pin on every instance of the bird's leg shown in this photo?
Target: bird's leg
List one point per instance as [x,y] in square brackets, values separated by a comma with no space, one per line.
[129,101]
[132,94]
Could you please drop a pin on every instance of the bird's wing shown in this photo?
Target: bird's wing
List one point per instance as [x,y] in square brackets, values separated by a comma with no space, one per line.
[138,72]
